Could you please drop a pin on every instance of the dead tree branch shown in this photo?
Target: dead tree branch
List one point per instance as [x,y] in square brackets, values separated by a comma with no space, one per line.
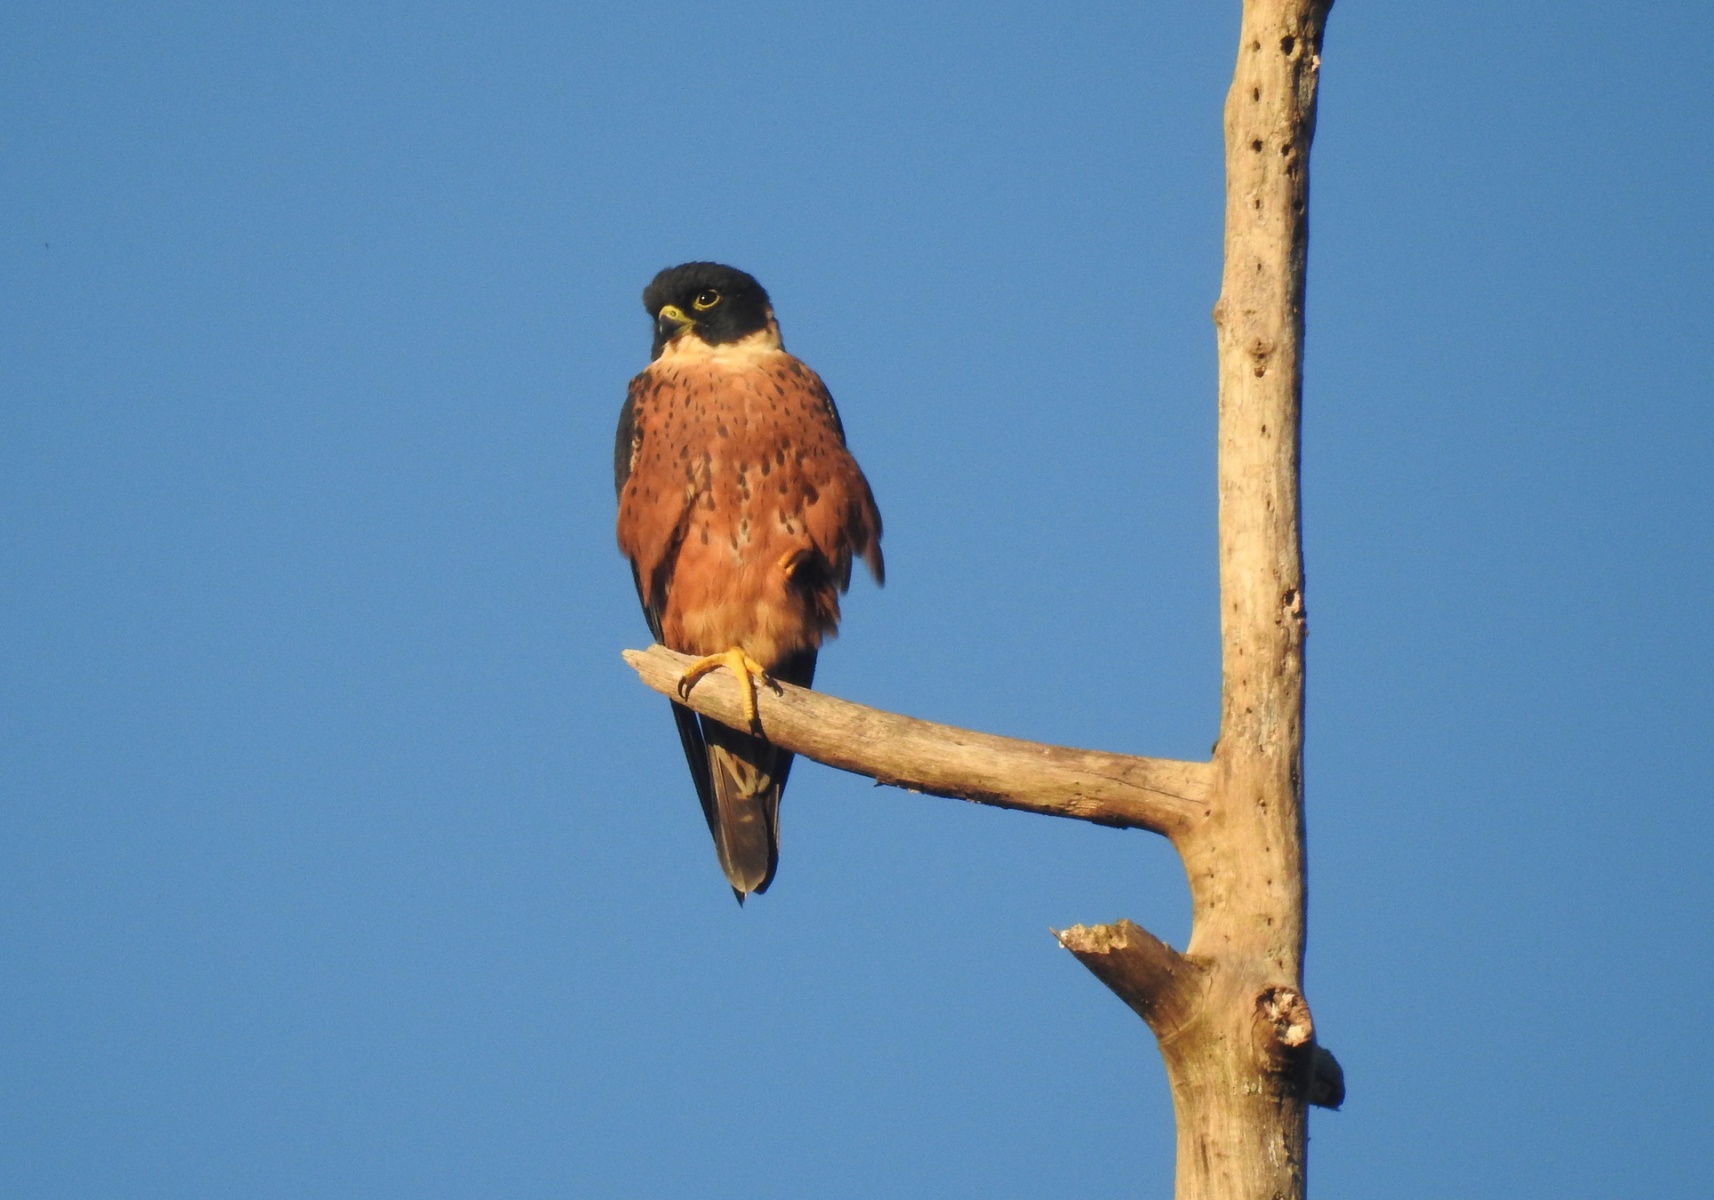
[1160,984]
[1159,794]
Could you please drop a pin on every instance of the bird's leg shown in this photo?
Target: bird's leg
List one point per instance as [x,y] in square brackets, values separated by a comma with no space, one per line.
[749,673]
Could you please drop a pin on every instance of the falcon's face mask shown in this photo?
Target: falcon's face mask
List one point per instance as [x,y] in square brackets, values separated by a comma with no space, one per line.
[716,304]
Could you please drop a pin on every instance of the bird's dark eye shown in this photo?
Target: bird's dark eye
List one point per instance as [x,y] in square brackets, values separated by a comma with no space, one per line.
[705,300]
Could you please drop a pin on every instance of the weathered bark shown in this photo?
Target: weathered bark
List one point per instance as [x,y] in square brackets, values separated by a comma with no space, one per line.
[1228,1013]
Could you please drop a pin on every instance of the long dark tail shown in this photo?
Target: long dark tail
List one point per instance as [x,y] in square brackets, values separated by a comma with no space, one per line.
[748,774]
[739,779]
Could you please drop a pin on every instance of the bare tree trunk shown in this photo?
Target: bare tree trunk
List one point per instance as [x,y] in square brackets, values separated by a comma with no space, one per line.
[1240,1068]
[1229,1012]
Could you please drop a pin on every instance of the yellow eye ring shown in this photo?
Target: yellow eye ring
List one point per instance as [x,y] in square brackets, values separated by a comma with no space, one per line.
[705,300]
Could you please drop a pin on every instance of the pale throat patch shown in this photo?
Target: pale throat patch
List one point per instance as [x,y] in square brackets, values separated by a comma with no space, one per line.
[688,348]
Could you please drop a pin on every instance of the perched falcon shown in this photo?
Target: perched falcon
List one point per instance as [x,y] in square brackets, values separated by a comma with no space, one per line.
[740,509]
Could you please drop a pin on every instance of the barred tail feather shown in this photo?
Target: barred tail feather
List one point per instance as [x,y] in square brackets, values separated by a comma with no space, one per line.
[748,774]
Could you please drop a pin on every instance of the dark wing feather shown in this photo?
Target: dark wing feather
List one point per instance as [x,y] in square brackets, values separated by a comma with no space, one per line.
[689,731]
[798,670]
[625,445]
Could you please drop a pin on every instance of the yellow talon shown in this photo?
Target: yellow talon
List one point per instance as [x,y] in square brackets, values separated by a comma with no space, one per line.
[747,669]
[791,560]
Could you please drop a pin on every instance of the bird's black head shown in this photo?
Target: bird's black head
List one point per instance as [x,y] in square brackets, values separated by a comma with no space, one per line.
[705,300]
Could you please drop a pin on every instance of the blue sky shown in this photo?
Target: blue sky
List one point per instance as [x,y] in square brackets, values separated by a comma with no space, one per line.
[340,855]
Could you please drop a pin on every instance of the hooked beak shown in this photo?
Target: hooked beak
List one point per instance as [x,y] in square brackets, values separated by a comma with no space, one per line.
[669,322]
